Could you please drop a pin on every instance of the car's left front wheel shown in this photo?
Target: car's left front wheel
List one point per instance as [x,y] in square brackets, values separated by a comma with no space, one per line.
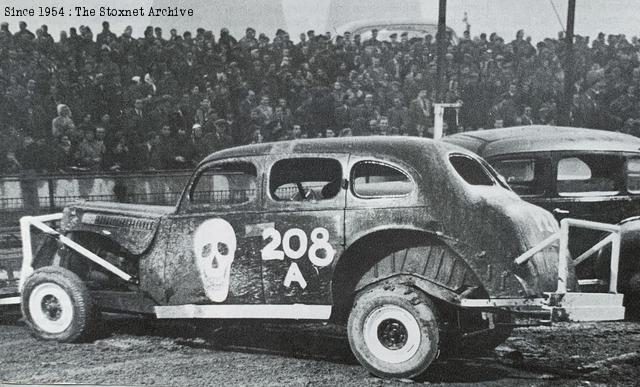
[56,305]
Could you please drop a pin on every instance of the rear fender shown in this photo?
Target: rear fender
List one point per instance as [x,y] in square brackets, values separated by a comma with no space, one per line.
[434,268]
[400,253]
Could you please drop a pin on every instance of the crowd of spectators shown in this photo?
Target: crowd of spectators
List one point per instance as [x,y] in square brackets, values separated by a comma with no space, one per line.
[159,102]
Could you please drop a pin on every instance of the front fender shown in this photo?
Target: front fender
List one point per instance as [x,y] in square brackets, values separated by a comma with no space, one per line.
[133,234]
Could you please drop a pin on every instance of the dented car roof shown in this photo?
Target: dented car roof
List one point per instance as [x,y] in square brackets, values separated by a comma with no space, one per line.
[393,146]
[541,138]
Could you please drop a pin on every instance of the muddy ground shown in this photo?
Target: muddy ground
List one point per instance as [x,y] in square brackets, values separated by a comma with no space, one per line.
[137,352]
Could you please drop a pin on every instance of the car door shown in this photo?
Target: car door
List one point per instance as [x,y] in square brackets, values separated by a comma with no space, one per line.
[303,230]
[213,254]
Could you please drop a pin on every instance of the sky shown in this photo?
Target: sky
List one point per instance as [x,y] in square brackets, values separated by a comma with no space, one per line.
[536,17]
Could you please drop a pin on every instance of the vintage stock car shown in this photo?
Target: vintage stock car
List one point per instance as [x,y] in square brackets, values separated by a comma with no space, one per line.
[417,246]
[579,173]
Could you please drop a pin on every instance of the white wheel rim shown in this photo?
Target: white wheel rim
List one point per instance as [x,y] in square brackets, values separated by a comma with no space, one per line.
[51,308]
[407,335]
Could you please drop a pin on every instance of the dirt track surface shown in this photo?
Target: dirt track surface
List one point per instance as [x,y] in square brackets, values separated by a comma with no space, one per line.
[135,352]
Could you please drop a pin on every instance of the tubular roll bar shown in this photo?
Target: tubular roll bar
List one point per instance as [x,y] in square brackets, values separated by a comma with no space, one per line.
[563,251]
[27,252]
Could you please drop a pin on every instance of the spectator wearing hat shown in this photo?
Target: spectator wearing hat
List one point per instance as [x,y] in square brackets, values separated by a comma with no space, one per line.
[136,122]
[367,112]
[62,155]
[6,37]
[183,150]
[23,35]
[344,112]
[174,37]
[373,40]
[398,116]
[420,114]
[311,35]
[90,152]
[106,33]
[404,44]
[159,38]
[201,148]
[162,156]
[508,107]
[265,110]
[130,68]
[527,116]
[393,41]
[249,41]
[206,115]
[226,40]
[219,138]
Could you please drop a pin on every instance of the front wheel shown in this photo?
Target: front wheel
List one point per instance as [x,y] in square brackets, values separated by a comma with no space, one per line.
[393,330]
[56,305]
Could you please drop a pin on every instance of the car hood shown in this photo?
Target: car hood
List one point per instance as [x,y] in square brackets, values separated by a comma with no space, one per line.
[131,226]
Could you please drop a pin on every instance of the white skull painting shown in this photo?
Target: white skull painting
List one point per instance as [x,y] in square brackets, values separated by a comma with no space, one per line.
[214,244]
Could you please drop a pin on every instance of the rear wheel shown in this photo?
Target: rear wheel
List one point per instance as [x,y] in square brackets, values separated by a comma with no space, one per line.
[393,330]
[57,305]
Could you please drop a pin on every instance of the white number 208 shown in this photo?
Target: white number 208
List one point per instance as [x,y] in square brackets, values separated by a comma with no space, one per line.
[319,242]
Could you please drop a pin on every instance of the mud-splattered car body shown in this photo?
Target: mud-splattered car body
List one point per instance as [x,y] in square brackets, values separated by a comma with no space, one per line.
[484,224]
[573,172]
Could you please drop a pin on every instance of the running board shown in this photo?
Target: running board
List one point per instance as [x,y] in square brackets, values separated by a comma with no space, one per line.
[9,295]
[14,300]
[253,311]
[586,307]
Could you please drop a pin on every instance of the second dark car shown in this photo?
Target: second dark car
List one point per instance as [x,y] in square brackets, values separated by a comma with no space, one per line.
[573,172]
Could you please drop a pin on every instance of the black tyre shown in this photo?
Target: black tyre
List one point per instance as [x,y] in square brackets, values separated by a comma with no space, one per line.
[393,330]
[56,305]
[632,297]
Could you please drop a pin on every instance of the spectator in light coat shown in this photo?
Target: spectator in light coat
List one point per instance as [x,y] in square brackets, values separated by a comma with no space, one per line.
[62,124]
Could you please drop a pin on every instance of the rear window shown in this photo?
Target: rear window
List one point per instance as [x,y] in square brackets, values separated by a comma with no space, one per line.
[589,175]
[633,175]
[370,179]
[470,170]
[522,175]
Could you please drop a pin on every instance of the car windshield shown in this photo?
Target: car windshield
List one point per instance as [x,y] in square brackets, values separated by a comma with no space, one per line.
[225,184]
[589,174]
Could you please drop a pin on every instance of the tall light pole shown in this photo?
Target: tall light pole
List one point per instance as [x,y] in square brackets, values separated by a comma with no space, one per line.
[565,118]
[441,40]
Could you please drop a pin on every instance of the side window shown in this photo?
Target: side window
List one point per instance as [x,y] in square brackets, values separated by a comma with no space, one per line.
[633,175]
[522,175]
[589,174]
[371,179]
[470,170]
[225,184]
[305,179]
